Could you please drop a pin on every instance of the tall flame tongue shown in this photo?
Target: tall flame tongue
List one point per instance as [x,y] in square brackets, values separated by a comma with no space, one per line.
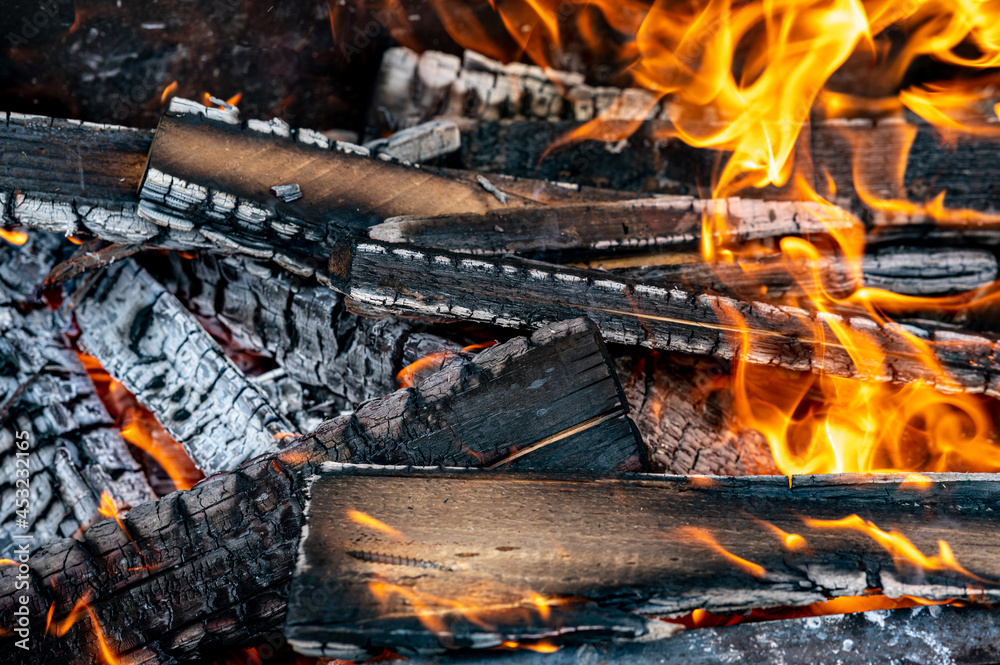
[744,78]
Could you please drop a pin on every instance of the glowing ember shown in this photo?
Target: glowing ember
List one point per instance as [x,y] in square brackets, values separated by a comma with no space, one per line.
[140,428]
[898,545]
[705,537]
[367,520]
[14,237]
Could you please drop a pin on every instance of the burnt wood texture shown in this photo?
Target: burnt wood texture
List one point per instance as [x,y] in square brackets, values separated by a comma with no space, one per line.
[512,292]
[204,570]
[466,559]
[145,338]
[74,452]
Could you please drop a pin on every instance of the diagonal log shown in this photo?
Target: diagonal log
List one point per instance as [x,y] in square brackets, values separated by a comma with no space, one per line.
[461,548]
[204,570]
[526,294]
[145,338]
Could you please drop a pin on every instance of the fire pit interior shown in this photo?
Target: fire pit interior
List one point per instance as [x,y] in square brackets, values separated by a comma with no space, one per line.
[529,332]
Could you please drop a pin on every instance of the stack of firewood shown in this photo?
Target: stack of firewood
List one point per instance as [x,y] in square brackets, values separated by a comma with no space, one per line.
[262,290]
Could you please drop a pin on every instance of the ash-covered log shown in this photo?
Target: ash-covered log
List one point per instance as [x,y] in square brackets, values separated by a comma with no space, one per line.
[146,339]
[425,560]
[936,635]
[513,292]
[305,327]
[74,452]
[207,569]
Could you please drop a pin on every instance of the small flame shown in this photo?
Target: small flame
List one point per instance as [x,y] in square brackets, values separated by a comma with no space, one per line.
[81,607]
[283,436]
[364,519]
[705,537]
[14,237]
[432,362]
[8,562]
[791,541]
[898,545]
[434,611]
[168,91]
[108,508]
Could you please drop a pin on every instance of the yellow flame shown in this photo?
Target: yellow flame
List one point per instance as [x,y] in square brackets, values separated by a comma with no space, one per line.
[898,545]
[705,537]
[364,519]
[108,508]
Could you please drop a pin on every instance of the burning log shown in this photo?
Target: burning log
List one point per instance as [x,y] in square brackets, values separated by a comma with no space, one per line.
[412,88]
[208,568]
[223,190]
[146,340]
[74,452]
[472,547]
[915,271]
[685,420]
[518,293]
[67,176]
[942,635]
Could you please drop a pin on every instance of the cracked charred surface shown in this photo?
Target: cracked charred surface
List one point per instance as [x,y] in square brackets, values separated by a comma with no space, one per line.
[928,635]
[518,293]
[208,568]
[75,452]
[305,327]
[686,422]
[687,543]
[145,339]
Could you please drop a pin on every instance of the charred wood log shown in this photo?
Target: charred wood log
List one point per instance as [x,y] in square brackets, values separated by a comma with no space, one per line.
[412,88]
[915,271]
[687,422]
[304,326]
[419,144]
[930,635]
[208,568]
[74,452]
[518,293]
[683,546]
[67,176]
[646,225]
[223,190]
[146,340]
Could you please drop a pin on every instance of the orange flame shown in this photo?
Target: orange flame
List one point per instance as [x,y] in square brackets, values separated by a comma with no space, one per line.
[791,541]
[432,362]
[140,428]
[364,519]
[705,537]
[434,612]
[898,545]
[14,237]
[108,508]
[79,608]
[168,91]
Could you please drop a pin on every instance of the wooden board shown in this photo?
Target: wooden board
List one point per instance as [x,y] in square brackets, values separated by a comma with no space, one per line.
[398,559]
